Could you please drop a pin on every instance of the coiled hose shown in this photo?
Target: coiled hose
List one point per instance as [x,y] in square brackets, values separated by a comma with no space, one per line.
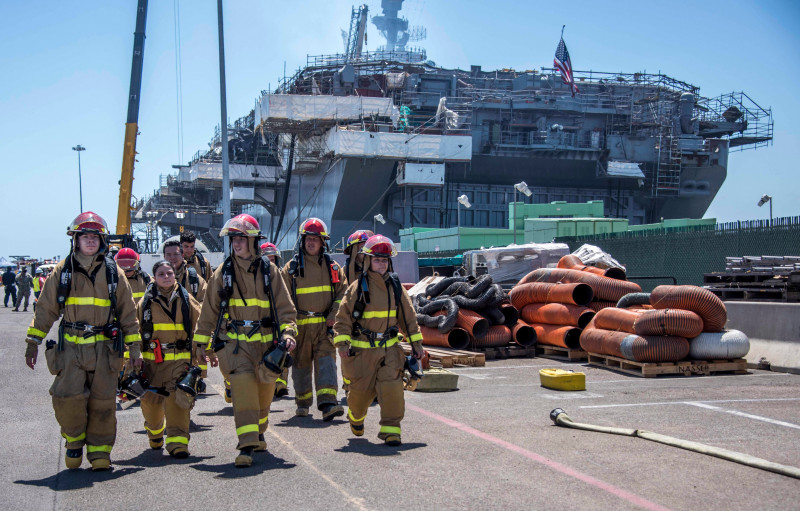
[445,322]
[557,314]
[493,296]
[510,314]
[557,335]
[573,262]
[634,299]
[692,298]
[457,338]
[653,322]
[560,418]
[496,336]
[494,315]
[475,324]
[598,306]
[523,334]
[604,288]
[545,292]
[436,289]
[719,345]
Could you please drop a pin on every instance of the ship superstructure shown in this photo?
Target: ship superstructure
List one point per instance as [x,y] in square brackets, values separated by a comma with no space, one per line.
[355,134]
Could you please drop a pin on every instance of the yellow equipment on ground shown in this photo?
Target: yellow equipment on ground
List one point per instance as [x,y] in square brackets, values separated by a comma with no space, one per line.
[559,379]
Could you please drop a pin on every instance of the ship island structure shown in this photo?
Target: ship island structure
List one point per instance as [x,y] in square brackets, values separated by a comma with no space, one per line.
[356,134]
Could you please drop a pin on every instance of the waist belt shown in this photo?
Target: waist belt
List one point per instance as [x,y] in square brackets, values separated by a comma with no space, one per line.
[387,338]
[87,329]
[254,326]
[178,345]
[314,314]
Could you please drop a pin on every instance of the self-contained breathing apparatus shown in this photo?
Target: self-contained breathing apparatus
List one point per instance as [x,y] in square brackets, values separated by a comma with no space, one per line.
[362,299]
[112,327]
[147,328]
[193,280]
[226,292]
[297,268]
[202,261]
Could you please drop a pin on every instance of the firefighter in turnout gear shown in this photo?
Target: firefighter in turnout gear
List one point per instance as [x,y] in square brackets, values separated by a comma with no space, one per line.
[248,314]
[353,266]
[193,256]
[99,319]
[167,318]
[271,251]
[317,285]
[186,275]
[128,260]
[374,311]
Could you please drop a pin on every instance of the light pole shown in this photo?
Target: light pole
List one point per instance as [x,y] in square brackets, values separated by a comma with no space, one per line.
[764,199]
[463,200]
[378,218]
[522,187]
[79,148]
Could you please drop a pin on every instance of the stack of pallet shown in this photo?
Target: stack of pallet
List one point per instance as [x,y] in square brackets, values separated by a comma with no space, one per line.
[770,278]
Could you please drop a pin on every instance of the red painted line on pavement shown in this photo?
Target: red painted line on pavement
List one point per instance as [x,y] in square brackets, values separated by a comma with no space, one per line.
[610,488]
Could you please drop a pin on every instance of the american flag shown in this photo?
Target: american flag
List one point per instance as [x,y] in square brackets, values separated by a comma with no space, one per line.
[564,64]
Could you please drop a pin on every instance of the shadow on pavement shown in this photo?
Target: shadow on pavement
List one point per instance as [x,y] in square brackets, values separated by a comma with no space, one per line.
[367,448]
[262,462]
[78,479]
[223,412]
[158,458]
[308,423]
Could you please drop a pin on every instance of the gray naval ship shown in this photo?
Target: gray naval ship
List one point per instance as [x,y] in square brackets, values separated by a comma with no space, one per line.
[356,134]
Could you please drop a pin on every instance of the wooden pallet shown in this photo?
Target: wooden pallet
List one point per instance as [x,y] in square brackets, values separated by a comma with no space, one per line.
[750,292]
[510,351]
[559,353]
[446,357]
[684,367]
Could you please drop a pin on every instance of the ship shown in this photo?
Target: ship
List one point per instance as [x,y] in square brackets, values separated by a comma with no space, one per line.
[356,138]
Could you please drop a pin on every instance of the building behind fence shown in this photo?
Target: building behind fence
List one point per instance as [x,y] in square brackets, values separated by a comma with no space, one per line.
[688,253]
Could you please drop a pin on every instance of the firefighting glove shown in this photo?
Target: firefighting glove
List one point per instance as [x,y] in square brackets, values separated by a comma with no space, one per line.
[416,348]
[344,350]
[31,353]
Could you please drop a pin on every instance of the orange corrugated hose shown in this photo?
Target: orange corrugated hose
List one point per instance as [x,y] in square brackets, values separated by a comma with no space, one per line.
[557,314]
[574,263]
[692,298]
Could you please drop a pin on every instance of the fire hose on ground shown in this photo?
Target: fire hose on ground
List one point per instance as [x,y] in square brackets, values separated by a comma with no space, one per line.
[560,418]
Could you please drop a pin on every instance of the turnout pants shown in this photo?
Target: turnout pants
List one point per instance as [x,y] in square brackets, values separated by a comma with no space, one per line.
[252,388]
[84,395]
[314,352]
[281,382]
[162,414]
[377,372]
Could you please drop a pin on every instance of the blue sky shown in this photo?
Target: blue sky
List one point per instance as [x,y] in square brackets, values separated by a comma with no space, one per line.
[66,72]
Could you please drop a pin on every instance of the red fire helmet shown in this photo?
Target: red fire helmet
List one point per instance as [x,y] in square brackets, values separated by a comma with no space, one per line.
[88,222]
[379,246]
[127,259]
[241,225]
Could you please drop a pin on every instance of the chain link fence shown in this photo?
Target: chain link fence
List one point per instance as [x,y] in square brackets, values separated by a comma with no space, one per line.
[688,253]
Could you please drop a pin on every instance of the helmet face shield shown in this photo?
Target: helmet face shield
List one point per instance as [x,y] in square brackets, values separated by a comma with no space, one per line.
[241,225]
[379,246]
[355,238]
[88,222]
[269,249]
[127,259]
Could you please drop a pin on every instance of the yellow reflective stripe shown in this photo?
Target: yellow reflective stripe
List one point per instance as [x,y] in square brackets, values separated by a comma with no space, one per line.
[284,326]
[345,380]
[204,367]
[132,338]
[390,429]
[311,320]
[341,338]
[78,438]
[249,428]
[380,314]
[350,416]
[202,339]
[337,301]
[365,344]
[314,289]
[279,380]
[88,300]
[167,326]
[37,333]
[157,431]
[415,337]
[98,448]
[326,391]
[126,355]
[138,295]
[251,302]
[304,396]
[149,355]
[177,440]
[255,338]
[263,420]
[76,339]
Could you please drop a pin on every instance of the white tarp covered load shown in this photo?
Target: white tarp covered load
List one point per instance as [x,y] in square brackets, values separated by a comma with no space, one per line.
[507,265]
[294,107]
[370,144]
[238,172]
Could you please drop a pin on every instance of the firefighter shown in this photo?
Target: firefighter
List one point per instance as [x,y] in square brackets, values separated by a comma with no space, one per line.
[193,257]
[271,251]
[248,313]
[99,318]
[317,285]
[38,283]
[374,311]
[186,275]
[167,318]
[353,265]
[128,260]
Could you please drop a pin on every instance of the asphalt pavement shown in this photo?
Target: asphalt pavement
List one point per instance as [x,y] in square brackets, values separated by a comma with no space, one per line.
[489,445]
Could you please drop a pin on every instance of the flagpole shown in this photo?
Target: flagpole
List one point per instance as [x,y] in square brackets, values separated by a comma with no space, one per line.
[562,31]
